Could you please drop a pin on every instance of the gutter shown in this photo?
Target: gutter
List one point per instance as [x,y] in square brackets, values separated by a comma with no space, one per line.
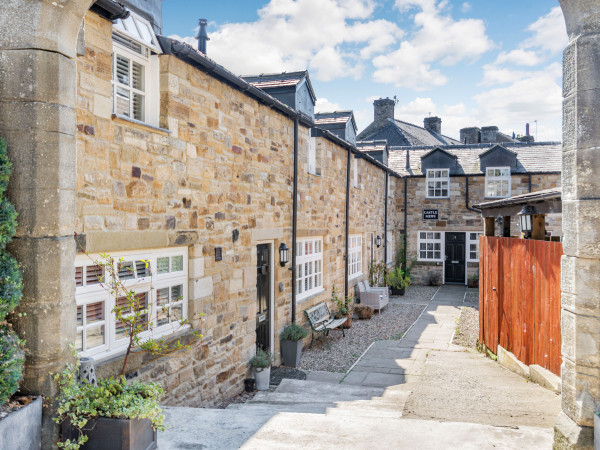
[188,54]
[295,217]
[467,196]
[405,219]
[110,10]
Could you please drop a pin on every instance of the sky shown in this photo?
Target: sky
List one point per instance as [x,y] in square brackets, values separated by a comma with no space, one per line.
[472,63]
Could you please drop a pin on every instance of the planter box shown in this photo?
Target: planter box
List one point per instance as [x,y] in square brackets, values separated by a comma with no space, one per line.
[398,291]
[22,428]
[291,352]
[109,434]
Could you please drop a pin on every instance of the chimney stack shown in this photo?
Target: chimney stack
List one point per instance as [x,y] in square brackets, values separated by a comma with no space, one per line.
[384,109]
[526,129]
[489,134]
[470,135]
[202,35]
[434,124]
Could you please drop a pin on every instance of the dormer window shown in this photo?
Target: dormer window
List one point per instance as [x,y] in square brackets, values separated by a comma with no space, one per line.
[438,183]
[497,182]
[135,70]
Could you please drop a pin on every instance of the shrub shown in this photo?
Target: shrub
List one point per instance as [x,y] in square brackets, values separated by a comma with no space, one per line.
[293,332]
[12,358]
[433,279]
[12,355]
[262,359]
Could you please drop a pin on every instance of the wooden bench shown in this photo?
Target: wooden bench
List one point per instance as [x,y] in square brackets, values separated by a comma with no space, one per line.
[322,322]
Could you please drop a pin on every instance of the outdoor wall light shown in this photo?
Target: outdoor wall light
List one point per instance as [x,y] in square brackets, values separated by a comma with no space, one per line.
[525,219]
[284,254]
[378,241]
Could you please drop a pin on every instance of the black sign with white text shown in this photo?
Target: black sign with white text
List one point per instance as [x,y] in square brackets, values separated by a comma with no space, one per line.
[430,214]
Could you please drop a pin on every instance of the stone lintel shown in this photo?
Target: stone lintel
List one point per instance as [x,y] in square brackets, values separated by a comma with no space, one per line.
[114,241]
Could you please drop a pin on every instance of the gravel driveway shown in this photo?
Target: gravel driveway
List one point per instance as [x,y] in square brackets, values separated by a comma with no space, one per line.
[467,328]
[392,323]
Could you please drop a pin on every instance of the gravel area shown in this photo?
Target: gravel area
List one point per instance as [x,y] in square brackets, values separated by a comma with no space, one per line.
[240,398]
[392,323]
[279,373]
[467,328]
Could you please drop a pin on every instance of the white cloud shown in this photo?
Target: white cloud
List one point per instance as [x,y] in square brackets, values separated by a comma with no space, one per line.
[465,7]
[324,105]
[549,33]
[331,37]
[519,57]
[438,39]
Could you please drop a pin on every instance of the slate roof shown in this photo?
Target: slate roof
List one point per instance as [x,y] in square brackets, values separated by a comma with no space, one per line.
[335,118]
[371,146]
[400,133]
[536,157]
[522,199]
[277,80]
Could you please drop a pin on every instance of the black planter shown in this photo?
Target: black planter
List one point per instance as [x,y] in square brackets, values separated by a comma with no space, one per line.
[250,384]
[398,291]
[109,434]
[291,351]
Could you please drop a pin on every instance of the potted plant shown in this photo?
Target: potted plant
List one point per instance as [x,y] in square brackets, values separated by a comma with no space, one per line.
[114,412]
[261,362]
[397,281]
[291,344]
[344,307]
[364,311]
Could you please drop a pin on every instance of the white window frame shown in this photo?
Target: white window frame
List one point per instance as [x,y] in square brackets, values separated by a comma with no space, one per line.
[493,178]
[137,49]
[354,256]
[473,240]
[435,176]
[309,267]
[86,294]
[430,239]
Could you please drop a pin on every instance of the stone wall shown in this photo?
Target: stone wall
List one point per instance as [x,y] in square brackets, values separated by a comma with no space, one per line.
[220,162]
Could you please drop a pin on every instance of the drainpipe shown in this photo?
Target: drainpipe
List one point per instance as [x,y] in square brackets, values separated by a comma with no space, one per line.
[295,218]
[385,214]
[405,219]
[347,219]
[467,196]
[529,181]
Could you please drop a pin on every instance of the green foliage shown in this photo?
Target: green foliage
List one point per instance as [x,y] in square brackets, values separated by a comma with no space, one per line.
[12,358]
[344,306]
[12,355]
[377,273]
[293,332]
[11,284]
[400,259]
[262,359]
[113,398]
[396,279]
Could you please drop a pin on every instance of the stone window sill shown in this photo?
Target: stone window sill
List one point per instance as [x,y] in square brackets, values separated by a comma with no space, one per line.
[128,120]
[313,295]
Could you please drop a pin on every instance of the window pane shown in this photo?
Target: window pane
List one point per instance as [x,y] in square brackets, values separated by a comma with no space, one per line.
[176,293]
[142,268]
[93,274]
[176,313]
[122,70]
[79,315]
[162,264]
[437,255]
[78,276]
[138,107]
[94,312]
[124,304]
[79,341]
[162,296]
[177,263]
[125,270]
[94,337]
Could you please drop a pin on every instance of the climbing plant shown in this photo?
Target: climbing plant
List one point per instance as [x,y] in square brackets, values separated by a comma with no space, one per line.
[12,355]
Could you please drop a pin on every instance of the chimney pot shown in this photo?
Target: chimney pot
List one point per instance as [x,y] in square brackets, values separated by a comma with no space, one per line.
[202,35]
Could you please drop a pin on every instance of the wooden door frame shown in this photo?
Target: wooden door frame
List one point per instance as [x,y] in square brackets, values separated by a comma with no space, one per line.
[271,244]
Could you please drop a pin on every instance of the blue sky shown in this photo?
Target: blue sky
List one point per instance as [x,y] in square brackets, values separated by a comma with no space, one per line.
[473,63]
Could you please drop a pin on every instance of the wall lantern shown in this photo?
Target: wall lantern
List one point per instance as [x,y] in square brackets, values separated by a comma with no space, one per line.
[525,219]
[378,241]
[284,254]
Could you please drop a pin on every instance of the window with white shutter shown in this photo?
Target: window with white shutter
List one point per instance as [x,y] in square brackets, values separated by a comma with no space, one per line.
[309,261]
[354,256]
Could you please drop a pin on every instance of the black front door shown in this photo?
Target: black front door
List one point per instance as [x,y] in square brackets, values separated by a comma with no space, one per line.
[263,294]
[455,258]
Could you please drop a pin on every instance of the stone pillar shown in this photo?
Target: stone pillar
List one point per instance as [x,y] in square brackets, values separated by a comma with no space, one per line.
[37,118]
[580,284]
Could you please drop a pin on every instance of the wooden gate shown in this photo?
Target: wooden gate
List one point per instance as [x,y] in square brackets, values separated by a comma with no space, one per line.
[519,299]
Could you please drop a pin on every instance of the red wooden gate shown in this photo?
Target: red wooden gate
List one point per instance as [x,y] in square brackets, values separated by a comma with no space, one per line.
[519,299]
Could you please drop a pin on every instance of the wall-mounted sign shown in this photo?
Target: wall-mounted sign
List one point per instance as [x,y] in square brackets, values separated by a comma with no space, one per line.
[430,214]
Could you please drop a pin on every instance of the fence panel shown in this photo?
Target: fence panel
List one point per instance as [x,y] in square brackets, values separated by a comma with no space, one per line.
[519,299]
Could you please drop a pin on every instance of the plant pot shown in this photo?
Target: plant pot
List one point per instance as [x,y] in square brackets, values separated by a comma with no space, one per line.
[348,322]
[107,434]
[249,384]
[291,352]
[473,283]
[396,291]
[263,378]
[22,428]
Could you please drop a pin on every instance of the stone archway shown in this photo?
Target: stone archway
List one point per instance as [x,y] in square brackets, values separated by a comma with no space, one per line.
[37,118]
[580,318]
